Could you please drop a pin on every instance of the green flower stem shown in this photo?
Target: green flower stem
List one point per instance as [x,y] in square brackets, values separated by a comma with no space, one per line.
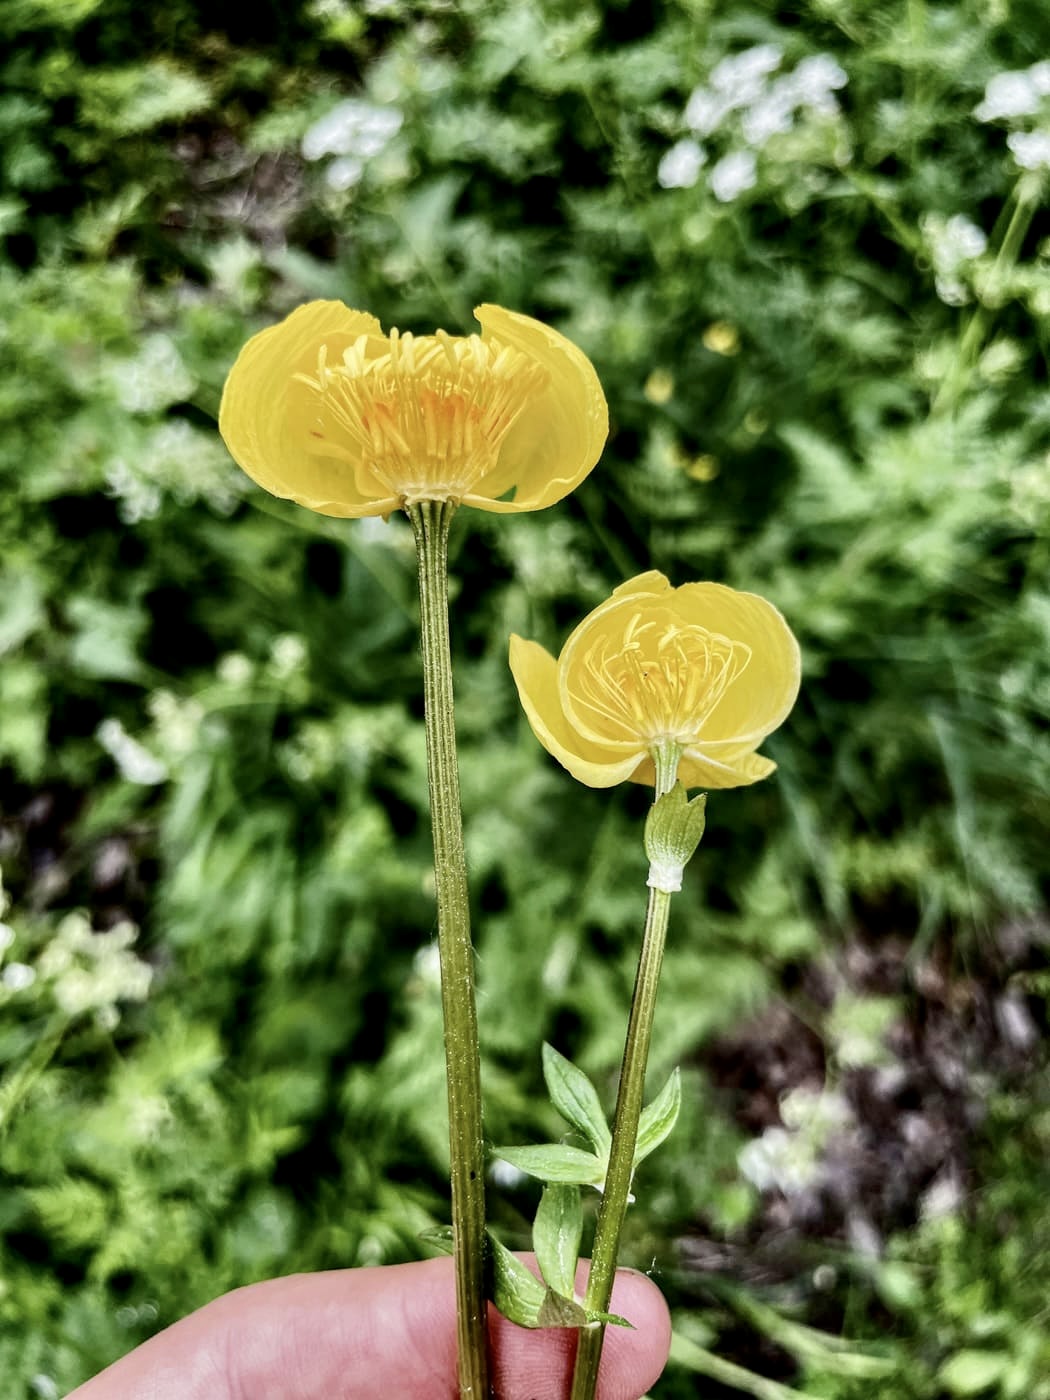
[1026,199]
[430,522]
[629,1100]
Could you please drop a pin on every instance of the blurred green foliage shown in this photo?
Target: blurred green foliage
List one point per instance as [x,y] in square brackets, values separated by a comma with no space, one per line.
[823,386]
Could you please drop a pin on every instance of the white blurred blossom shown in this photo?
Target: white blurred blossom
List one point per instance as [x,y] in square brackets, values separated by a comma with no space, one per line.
[173,459]
[1017,93]
[1030,149]
[287,655]
[735,82]
[151,380]
[742,76]
[952,243]
[733,175]
[772,115]
[705,111]
[353,132]
[681,165]
[814,79]
[17,976]
[133,760]
[788,1158]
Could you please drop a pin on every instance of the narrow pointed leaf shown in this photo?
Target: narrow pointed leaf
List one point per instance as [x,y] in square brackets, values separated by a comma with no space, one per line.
[556,1236]
[659,1118]
[610,1319]
[576,1099]
[555,1161]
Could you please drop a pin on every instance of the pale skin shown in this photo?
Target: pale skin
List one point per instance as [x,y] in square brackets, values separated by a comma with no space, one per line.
[388,1331]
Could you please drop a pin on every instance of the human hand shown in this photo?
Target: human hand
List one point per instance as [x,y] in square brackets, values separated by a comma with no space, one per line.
[385,1333]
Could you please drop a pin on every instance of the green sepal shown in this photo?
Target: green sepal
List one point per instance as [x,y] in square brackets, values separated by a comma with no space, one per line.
[576,1099]
[555,1161]
[556,1234]
[673,830]
[658,1119]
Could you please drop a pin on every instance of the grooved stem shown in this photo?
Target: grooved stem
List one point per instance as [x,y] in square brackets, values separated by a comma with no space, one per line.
[629,1101]
[430,522]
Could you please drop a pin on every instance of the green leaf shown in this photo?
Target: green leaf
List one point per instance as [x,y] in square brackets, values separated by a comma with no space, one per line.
[576,1099]
[556,1235]
[553,1161]
[658,1120]
[440,1237]
[971,1372]
[516,1291]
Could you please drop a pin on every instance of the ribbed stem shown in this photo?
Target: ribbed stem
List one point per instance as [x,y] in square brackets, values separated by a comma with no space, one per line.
[430,521]
[629,1102]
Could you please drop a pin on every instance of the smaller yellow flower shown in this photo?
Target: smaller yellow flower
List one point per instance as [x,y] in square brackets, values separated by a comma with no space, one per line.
[326,410]
[703,668]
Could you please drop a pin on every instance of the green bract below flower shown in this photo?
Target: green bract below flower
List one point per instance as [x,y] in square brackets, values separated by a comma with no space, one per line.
[702,669]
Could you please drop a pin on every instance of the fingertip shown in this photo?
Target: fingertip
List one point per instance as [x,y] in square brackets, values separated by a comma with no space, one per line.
[634,1357]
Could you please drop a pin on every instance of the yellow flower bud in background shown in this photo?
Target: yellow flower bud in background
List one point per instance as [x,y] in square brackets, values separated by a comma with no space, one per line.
[703,667]
[326,410]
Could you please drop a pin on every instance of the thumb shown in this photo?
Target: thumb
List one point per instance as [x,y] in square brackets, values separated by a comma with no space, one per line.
[387,1331]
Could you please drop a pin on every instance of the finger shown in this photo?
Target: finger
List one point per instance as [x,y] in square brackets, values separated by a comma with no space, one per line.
[366,1332]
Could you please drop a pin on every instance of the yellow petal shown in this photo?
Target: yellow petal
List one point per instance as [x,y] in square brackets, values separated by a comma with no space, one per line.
[653,582]
[760,697]
[536,675]
[265,422]
[560,434]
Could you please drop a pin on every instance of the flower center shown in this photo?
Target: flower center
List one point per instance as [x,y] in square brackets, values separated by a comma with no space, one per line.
[429,416]
[659,682]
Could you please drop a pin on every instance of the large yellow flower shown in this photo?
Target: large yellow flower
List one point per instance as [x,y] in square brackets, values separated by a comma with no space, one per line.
[326,410]
[702,668]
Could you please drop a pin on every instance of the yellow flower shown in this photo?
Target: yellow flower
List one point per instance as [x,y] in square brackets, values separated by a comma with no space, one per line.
[326,410]
[703,668]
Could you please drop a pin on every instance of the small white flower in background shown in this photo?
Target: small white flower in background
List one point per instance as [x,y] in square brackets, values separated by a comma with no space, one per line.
[17,977]
[7,937]
[952,243]
[234,669]
[814,79]
[176,723]
[287,655]
[1030,149]
[1018,93]
[681,165]
[154,378]
[733,175]
[705,111]
[772,115]
[134,762]
[353,131]
[788,1158]
[741,76]
[735,82]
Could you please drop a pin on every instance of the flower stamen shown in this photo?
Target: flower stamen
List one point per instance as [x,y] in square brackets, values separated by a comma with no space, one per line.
[428,417]
[658,683]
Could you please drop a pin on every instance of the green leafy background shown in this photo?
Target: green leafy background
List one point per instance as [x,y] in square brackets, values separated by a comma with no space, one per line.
[210,701]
